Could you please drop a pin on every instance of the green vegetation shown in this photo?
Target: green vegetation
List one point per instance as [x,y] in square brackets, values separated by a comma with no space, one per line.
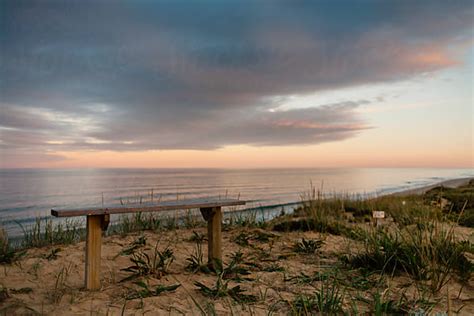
[8,254]
[53,254]
[145,290]
[327,299]
[309,246]
[407,265]
[303,278]
[3,293]
[155,265]
[273,267]
[221,289]
[426,252]
[44,233]
[136,223]
[457,204]
[23,290]
[196,260]
[385,303]
[236,268]
[60,286]
[133,246]
[247,219]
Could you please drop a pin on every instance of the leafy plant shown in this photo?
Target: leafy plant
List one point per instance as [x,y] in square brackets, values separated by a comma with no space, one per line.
[274,267]
[308,246]
[197,237]
[196,260]
[52,255]
[23,290]
[148,291]
[235,269]
[145,265]
[222,289]
[262,236]
[133,246]
[242,239]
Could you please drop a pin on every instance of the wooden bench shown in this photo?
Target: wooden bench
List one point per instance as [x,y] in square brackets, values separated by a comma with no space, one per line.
[99,219]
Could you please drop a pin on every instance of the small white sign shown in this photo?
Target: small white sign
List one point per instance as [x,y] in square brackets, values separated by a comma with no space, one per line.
[378,214]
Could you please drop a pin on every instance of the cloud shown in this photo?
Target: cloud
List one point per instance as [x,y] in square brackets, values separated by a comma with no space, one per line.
[22,132]
[159,75]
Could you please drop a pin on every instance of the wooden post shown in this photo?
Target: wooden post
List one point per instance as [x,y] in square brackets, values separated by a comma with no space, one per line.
[213,216]
[93,251]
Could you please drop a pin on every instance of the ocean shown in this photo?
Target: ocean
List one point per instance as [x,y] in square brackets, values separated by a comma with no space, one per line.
[26,194]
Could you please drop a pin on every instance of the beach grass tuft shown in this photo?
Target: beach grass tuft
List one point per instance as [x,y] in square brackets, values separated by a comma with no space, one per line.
[8,253]
[196,260]
[145,290]
[308,246]
[327,300]
[221,288]
[44,233]
[155,265]
[426,252]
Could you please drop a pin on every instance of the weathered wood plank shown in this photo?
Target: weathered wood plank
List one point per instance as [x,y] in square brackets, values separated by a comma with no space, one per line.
[214,233]
[93,251]
[162,206]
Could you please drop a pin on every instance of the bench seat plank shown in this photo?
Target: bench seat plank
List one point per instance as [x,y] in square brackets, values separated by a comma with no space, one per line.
[161,206]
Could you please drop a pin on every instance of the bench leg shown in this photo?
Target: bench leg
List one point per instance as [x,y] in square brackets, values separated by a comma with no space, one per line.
[213,216]
[93,251]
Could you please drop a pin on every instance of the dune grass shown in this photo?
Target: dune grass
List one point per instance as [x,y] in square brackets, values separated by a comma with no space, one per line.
[8,253]
[327,300]
[425,252]
[43,233]
[418,241]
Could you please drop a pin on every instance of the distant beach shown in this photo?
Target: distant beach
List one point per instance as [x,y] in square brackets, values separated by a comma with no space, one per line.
[452,183]
[26,194]
[419,259]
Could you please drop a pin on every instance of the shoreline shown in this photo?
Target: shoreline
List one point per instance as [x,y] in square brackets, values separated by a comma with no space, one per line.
[270,268]
[451,183]
[269,265]
[289,207]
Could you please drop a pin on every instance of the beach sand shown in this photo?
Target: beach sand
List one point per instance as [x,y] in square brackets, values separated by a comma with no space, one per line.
[69,297]
[453,183]
[57,285]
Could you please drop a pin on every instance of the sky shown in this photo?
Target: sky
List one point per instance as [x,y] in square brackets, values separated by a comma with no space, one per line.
[236,84]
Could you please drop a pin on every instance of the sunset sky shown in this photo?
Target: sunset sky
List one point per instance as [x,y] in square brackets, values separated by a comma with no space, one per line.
[236,84]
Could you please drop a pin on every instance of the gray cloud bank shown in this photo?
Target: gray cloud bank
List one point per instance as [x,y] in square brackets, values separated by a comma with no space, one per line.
[140,75]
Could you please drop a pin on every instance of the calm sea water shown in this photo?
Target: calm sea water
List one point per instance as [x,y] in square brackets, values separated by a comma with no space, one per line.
[29,193]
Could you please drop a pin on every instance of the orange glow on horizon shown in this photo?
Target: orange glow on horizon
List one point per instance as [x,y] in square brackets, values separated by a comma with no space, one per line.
[326,155]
